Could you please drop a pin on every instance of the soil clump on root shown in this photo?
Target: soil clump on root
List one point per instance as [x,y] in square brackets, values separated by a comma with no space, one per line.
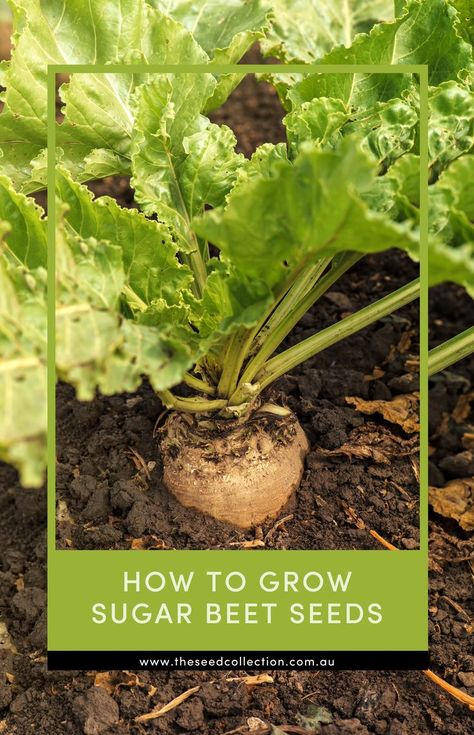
[242,476]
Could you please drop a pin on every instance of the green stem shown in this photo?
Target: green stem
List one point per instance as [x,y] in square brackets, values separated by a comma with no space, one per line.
[287,360]
[452,351]
[133,299]
[193,382]
[286,324]
[190,405]
[306,280]
[233,362]
[242,343]
[195,261]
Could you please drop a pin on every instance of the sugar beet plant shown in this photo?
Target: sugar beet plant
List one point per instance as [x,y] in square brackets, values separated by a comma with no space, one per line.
[201,286]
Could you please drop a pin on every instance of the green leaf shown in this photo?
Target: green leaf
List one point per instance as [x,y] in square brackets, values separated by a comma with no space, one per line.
[225,29]
[451,256]
[23,418]
[465,11]
[27,239]
[174,174]
[209,169]
[305,210]
[230,26]
[416,37]
[319,120]
[387,130]
[96,347]
[147,249]
[451,128]
[304,30]
[98,106]
[230,301]
[398,192]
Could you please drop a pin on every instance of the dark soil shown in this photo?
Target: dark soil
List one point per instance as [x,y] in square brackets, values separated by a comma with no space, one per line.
[109,467]
[359,703]
[451,396]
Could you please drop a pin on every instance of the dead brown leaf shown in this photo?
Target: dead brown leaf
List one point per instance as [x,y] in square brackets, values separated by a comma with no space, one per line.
[253,680]
[111,681]
[148,543]
[468,441]
[376,374]
[168,707]
[6,643]
[354,518]
[455,500]
[254,544]
[250,681]
[463,407]
[104,679]
[402,410]
[372,442]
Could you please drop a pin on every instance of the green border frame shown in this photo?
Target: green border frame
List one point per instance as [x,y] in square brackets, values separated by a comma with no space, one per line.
[419,69]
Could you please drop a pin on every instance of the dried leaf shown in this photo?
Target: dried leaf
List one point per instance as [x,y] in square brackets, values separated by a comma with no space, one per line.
[378,445]
[468,441]
[104,679]
[256,725]
[354,518]
[463,407]
[63,514]
[111,681]
[256,680]
[10,678]
[376,374]
[6,643]
[402,410]
[168,707]
[359,452]
[455,500]
[254,544]
[148,542]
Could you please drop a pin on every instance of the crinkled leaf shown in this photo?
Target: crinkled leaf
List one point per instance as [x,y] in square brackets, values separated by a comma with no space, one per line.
[148,252]
[305,210]
[387,130]
[465,11]
[398,192]
[228,25]
[304,30]
[98,106]
[319,120]
[451,127]
[451,255]
[209,169]
[416,37]
[22,350]
[96,347]
[27,237]
[174,174]
[230,301]
[261,164]
[225,29]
